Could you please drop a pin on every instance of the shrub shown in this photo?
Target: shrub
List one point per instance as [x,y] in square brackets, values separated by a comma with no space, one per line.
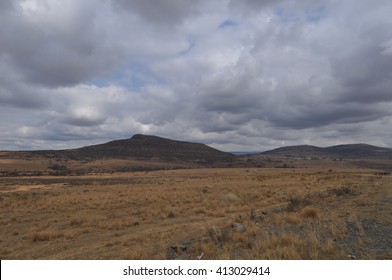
[297,203]
[45,236]
[310,212]
[343,191]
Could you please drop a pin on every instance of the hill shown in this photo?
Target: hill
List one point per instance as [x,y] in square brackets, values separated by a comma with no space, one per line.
[140,152]
[300,151]
[350,151]
[147,147]
[360,151]
[146,152]
[340,156]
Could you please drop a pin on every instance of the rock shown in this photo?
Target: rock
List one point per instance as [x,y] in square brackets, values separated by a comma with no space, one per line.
[205,239]
[171,253]
[239,227]
[175,252]
[231,198]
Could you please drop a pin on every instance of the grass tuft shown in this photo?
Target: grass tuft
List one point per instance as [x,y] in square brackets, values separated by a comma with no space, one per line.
[41,236]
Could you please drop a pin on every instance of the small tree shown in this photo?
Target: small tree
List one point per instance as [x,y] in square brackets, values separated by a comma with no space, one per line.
[58,168]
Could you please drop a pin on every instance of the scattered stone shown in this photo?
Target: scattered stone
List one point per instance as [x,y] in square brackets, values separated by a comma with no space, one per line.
[252,215]
[171,253]
[239,227]
[205,239]
[176,252]
[231,198]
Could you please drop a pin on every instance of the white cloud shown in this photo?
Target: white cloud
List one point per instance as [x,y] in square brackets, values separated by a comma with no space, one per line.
[238,75]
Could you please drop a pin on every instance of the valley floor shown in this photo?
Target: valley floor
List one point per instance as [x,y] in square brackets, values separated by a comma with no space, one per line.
[237,213]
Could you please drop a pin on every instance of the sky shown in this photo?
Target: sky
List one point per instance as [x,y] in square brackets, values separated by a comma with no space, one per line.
[236,75]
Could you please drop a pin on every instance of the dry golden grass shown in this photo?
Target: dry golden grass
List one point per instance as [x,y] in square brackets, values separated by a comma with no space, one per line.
[310,212]
[222,213]
[45,236]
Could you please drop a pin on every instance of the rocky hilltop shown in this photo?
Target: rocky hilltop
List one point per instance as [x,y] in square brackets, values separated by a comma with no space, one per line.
[148,147]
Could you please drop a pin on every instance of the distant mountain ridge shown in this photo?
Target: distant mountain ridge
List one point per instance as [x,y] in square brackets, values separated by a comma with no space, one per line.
[348,151]
[147,152]
[145,147]
[148,147]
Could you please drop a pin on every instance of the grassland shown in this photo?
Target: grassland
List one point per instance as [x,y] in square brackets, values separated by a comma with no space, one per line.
[237,213]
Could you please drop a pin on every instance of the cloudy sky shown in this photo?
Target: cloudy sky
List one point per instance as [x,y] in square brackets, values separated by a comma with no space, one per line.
[237,75]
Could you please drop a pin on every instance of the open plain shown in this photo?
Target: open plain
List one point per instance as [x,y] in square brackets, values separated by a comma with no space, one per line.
[210,213]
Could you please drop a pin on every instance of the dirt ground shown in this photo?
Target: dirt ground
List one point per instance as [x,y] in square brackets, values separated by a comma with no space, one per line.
[237,213]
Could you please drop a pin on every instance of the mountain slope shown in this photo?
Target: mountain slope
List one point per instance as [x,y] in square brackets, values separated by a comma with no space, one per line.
[297,151]
[147,147]
[350,151]
[145,152]
[358,151]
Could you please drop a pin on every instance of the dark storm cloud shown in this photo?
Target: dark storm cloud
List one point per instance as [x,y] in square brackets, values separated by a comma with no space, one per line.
[166,13]
[84,121]
[18,94]
[365,75]
[5,5]
[251,5]
[234,93]
[56,45]
[303,96]
[323,115]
